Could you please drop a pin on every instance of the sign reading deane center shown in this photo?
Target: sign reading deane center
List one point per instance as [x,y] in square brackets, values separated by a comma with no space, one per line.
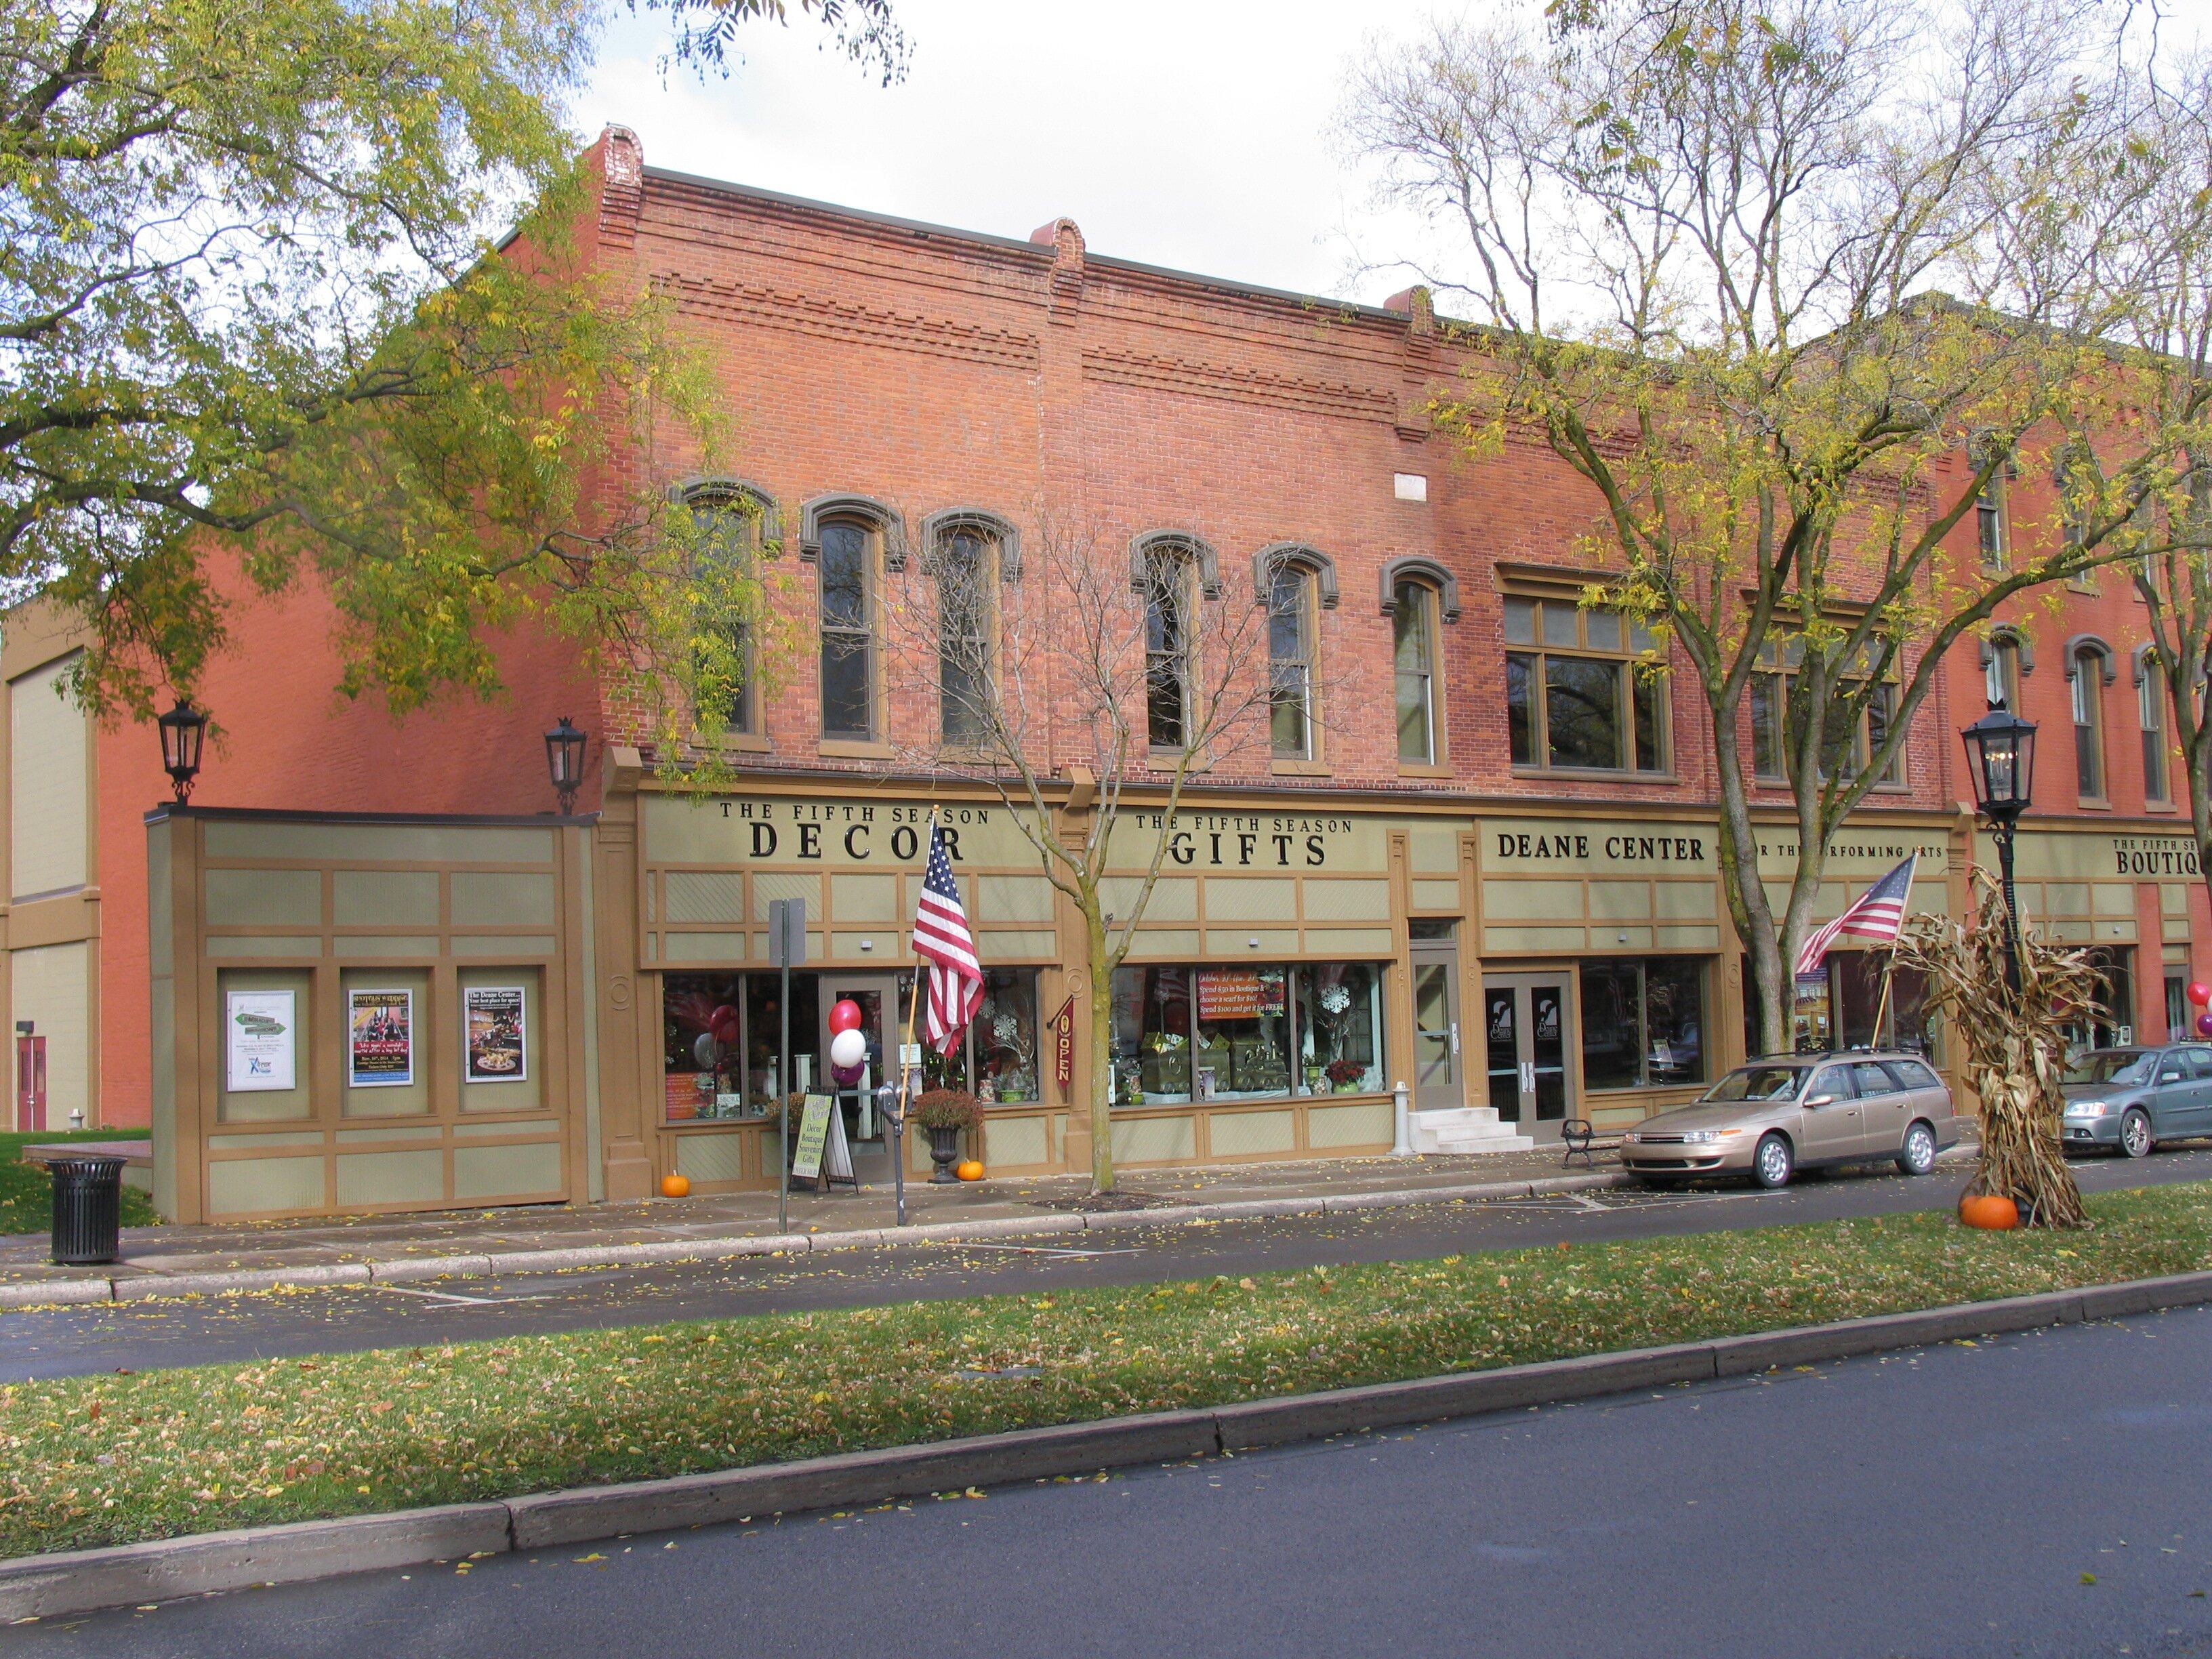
[1524,846]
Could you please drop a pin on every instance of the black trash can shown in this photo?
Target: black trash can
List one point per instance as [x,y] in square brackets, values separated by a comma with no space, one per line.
[87,1210]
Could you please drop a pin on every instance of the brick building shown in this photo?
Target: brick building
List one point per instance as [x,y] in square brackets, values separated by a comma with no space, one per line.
[1483,867]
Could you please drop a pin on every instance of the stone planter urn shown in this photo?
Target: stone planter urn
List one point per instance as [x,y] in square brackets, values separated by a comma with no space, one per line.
[943,1152]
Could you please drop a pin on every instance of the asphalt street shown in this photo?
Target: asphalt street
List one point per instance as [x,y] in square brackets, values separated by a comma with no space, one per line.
[2039,1495]
[151,1335]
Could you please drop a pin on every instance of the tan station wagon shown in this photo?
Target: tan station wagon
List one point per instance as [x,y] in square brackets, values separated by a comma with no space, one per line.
[1773,1117]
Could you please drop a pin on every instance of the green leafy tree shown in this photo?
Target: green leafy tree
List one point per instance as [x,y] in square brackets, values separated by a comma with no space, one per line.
[306,288]
[1760,276]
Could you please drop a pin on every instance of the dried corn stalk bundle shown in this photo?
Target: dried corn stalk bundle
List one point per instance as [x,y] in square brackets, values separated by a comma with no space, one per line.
[2016,1046]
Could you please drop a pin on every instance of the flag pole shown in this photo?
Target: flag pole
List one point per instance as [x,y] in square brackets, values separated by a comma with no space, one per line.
[913,1007]
[1888,967]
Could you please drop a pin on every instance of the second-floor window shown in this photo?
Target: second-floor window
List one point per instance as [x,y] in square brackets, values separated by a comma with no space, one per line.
[848,639]
[1857,723]
[729,537]
[965,570]
[1578,698]
[2150,698]
[1291,662]
[2089,725]
[1167,648]
[2001,675]
[1414,613]
[1990,522]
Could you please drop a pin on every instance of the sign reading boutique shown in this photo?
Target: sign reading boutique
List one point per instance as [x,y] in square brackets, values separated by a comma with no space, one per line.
[2154,855]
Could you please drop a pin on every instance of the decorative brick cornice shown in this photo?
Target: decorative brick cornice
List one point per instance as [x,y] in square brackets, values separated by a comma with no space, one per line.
[852,323]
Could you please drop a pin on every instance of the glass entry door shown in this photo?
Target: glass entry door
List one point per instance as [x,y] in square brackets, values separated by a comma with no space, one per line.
[881,1011]
[1436,1024]
[1525,1021]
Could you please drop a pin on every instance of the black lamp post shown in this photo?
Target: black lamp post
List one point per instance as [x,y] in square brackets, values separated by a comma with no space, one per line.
[2001,753]
[564,759]
[184,729]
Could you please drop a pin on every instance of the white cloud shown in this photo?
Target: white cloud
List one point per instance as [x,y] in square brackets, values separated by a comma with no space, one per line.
[1193,135]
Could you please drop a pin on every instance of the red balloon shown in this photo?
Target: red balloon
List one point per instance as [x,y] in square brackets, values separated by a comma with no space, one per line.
[846,1016]
[2200,993]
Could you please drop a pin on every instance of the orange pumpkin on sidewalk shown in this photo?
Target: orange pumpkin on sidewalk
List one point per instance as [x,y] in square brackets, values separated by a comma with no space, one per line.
[969,1168]
[675,1186]
[1992,1211]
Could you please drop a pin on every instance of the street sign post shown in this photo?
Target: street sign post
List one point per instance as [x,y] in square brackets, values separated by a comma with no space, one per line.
[787,921]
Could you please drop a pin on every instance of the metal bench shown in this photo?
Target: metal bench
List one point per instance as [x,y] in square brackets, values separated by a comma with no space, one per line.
[1580,1136]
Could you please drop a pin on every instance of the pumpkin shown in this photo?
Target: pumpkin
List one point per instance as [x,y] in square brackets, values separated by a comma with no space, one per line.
[675,1186]
[1991,1210]
[969,1168]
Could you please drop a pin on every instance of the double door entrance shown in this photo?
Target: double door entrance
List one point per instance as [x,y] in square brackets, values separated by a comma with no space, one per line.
[1524,1040]
[1525,1022]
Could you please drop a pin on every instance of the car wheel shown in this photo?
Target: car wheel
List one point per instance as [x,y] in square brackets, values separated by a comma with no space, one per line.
[2135,1133]
[1771,1164]
[1918,1156]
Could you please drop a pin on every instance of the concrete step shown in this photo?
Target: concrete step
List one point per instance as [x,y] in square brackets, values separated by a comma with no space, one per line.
[1503,1140]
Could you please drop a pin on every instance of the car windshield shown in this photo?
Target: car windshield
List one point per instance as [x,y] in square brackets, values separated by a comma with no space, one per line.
[1759,1082]
[2113,1066]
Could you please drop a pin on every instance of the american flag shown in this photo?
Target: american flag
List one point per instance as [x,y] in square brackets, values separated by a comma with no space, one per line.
[941,935]
[1878,915]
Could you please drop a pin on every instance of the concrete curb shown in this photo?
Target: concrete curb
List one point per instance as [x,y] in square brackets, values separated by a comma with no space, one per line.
[86,1581]
[145,1286]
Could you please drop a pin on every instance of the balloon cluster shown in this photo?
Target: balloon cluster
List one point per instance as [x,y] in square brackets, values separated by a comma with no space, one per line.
[718,1039]
[849,1045]
[2201,993]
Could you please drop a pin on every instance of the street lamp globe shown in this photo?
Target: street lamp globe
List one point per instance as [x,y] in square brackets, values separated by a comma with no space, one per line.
[564,760]
[184,730]
[2001,761]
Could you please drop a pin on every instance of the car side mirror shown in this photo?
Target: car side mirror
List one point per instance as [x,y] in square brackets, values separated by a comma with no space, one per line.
[2169,1076]
[1821,1100]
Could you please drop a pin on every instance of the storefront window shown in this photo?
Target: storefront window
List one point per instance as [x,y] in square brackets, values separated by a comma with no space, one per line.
[997,1059]
[1246,1033]
[1643,1023]
[2113,1022]
[1904,1023]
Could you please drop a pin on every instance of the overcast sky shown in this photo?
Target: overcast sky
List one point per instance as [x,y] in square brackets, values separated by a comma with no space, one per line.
[1188,133]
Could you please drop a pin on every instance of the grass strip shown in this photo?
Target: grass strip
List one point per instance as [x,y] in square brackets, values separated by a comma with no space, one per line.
[27,1191]
[116,1458]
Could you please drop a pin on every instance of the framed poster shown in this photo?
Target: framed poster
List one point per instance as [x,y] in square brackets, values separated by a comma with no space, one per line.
[492,1019]
[380,1038]
[260,1041]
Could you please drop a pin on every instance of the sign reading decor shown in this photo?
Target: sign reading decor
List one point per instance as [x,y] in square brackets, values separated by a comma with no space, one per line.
[1063,1044]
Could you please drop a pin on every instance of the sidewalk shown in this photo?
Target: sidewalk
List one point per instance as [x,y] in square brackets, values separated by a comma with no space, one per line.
[184,1261]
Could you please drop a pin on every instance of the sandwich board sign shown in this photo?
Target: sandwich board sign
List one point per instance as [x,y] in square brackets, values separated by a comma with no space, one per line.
[823,1153]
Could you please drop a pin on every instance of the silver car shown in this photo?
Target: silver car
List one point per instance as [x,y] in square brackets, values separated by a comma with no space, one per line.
[1773,1117]
[2131,1099]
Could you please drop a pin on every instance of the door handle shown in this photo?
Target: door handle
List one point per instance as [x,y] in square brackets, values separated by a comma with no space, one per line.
[1454,1037]
[1528,1077]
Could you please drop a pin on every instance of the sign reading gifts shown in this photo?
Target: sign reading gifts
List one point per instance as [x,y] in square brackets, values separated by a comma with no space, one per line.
[1239,993]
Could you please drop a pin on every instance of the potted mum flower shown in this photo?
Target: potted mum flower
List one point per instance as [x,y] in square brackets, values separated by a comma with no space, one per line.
[1346,1075]
[947,1114]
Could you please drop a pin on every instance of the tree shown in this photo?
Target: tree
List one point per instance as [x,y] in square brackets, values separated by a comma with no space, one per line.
[1087,693]
[256,310]
[1759,275]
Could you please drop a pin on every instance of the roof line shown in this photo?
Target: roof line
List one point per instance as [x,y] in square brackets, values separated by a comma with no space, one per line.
[1037,250]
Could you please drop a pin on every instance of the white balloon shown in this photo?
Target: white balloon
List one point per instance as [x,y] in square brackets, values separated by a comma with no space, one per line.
[706,1051]
[847,1049]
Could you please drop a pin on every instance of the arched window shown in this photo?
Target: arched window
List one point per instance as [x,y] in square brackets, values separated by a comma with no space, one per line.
[731,522]
[2150,708]
[966,560]
[1413,646]
[1167,587]
[1291,600]
[2006,656]
[847,562]
[2089,667]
